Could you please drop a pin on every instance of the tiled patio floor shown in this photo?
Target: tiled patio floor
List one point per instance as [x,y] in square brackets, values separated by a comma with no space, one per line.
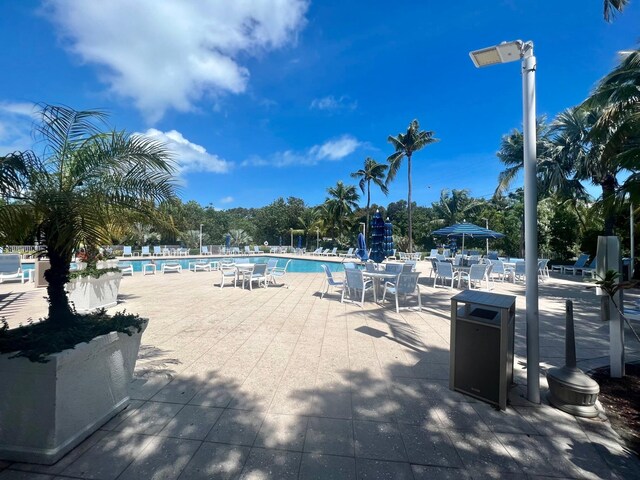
[277,383]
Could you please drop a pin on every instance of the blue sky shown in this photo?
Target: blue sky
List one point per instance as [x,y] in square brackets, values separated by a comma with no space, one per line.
[262,99]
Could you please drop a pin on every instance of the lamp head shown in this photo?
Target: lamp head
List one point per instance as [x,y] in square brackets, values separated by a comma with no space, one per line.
[503,53]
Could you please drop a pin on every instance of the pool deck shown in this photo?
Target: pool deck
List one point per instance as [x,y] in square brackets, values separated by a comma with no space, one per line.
[277,383]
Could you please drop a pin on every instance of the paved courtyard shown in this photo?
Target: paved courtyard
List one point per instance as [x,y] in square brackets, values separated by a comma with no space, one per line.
[277,383]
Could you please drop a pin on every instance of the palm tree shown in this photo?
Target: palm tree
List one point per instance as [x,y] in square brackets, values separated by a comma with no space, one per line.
[405,145]
[372,172]
[611,6]
[454,206]
[342,201]
[81,180]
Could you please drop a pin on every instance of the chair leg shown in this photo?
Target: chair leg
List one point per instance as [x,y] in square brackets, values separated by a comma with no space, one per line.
[397,305]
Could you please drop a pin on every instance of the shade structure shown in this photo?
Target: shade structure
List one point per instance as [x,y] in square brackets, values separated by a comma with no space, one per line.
[299,241]
[377,238]
[467,230]
[362,248]
[388,239]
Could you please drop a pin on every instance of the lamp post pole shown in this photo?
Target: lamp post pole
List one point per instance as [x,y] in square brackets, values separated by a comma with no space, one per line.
[201,239]
[317,238]
[503,53]
[486,221]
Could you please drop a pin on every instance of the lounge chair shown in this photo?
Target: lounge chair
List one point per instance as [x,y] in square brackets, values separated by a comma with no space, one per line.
[325,252]
[405,284]
[126,268]
[543,269]
[200,266]
[354,283]
[317,251]
[256,250]
[329,281]
[171,267]
[278,272]
[145,251]
[349,253]
[183,252]
[157,251]
[11,268]
[126,251]
[580,262]
[590,269]
[247,250]
[333,252]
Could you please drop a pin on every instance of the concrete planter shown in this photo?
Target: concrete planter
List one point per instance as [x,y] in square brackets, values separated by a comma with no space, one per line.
[46,409]
[89,293]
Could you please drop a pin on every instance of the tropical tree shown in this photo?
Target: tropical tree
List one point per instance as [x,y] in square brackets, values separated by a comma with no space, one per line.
[454,206]
[239,237]
[613,6]
[80,181]
[340,204]
[406,145]
[372,172]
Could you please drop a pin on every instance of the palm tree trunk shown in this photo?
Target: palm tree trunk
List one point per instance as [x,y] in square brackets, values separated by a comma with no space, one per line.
[57,276]
[409,206]
[366,228]
[608,193]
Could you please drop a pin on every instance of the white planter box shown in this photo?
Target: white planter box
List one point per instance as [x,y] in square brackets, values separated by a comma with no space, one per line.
[88,293]
[46,409]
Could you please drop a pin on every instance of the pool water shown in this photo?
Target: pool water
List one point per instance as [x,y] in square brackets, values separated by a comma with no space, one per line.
[297,265]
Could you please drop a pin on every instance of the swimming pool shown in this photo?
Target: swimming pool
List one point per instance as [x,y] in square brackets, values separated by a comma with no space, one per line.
[297,265]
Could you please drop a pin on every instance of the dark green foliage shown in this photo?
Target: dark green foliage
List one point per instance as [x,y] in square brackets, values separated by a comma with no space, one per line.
[92,272]
[37,340]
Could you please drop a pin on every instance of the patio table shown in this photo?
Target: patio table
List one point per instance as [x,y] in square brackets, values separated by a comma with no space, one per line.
[377,277]
[244,269]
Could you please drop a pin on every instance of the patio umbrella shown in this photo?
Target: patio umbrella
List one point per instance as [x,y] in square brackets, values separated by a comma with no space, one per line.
[377,238]
[467,230]
[227,241]
[388,239]
[299,241]
[362,248]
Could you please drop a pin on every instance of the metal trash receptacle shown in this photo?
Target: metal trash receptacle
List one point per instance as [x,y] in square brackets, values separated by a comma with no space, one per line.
[41,266]
[482,339]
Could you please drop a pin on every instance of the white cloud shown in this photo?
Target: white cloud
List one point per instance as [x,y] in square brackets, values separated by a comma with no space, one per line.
[331,150]
[189,156]
[170,54]
[331,103]
[226,200]
[16,124]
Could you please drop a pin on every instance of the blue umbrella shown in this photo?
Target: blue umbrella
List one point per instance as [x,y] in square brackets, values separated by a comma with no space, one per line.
[377,238]
[467,230]
[299,241]
[362,248]
[227,241]
[280,241]
[388,239]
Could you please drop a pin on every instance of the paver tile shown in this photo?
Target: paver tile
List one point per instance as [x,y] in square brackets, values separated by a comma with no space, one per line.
[284,432]
[271,464]
[237,427]
[483,454]
[378,440]
[380,470]
[149,419]
[192,422]
[161,459]
[429,446]
[425,472]
[327,467]
[216,461]
[329,436]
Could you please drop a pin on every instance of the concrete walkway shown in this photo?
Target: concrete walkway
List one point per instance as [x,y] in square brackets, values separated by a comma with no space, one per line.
[277,383]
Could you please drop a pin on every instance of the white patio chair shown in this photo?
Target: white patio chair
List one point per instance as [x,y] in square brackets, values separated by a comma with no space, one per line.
[349,253]
[228,271]
[257,274]
[433,253]
[333,252]
[329,281]
[278,272]
[157,251]
[413,264]
[519,272]
[580,263]
[166,252]
[354,283]
[145,251]
[405,284]
[499,271]
[126,251]
[325,252]
[543,269]
[444,271]
[476,275]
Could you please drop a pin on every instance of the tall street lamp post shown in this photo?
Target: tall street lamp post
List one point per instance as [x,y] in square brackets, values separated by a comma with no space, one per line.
[504,53]
[486,221]
[317,238]
[201,239]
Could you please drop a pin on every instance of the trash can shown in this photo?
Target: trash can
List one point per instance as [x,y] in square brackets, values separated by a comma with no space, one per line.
[482,338]
[41,267]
